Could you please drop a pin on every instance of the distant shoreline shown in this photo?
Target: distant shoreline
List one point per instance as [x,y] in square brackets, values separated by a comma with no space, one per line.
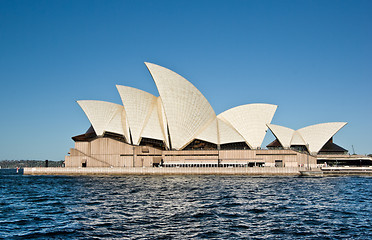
[13,164]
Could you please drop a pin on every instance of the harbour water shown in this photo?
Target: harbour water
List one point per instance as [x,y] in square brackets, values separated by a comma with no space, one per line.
[184,207]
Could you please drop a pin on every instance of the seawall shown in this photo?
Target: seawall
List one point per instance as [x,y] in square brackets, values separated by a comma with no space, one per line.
[279,171]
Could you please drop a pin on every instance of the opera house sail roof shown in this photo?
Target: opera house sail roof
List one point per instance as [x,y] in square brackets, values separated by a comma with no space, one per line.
[181,115]
[313,137]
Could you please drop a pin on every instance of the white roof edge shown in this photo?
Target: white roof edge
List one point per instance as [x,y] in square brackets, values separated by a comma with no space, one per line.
[135,89]
[326,123]
[248,104]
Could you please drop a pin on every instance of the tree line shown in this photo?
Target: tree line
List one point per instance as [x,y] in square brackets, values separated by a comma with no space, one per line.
[29,163]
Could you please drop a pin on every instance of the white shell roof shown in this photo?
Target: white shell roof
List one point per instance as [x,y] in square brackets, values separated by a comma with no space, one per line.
[318,135]
[297,139]
[186,109]
[314,137]
[220,132]
[283,134]
[138,105]
[153,127]
[250,121]
[227,134]
[209,133]
[116,124]
[103,116]
[163,121]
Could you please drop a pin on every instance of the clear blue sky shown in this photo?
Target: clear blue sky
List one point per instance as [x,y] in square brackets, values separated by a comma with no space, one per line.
[311,58]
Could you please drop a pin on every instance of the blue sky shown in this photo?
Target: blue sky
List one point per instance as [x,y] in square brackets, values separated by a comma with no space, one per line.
[311,58]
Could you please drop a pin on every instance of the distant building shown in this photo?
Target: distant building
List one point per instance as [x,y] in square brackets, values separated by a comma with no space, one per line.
[179,128]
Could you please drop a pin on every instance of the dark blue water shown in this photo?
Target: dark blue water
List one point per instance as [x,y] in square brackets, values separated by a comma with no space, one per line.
[185,207]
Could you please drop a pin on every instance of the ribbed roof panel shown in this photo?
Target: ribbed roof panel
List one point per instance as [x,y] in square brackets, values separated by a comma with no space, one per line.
[101,113]
[186,109]
[227,134]
[163,121]
[250,121]
[316,136]
[138,105]
[210,133]
[153,127]
[283,134]
[116,125]
[297,139]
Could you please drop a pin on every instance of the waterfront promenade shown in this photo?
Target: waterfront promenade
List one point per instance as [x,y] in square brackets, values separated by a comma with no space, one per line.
[290,171]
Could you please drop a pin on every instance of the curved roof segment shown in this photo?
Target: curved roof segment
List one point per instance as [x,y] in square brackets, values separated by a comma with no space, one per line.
[186,109]
[250,121]
[227,133]
[153,127]
[163,122]
[220,132]
[318,135]
[104,116]
[314,137]
[209,133]
[283,134]
[297,139]
[138,105]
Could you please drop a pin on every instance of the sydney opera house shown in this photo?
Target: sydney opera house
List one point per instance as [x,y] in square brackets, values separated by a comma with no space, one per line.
[179,128]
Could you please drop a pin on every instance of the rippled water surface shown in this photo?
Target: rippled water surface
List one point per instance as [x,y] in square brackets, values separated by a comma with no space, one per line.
[185,207]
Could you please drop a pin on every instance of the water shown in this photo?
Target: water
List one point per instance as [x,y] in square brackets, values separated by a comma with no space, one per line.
[185,207]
